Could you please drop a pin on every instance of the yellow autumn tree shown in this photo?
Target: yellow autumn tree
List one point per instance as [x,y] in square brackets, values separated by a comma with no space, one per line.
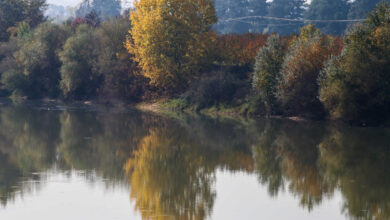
[172,40]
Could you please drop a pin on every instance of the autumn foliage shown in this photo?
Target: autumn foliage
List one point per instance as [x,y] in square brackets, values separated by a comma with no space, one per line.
[305,58]
[239,49]
[172,41]
[170,48]
[355,86]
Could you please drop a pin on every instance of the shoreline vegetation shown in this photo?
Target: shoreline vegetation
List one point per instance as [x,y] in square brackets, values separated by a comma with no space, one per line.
[169,107]
[173,53]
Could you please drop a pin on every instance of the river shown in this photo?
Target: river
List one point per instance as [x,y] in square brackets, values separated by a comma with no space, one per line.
[59,162]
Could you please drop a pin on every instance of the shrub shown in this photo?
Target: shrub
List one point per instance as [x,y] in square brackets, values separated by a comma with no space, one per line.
[216,88]
[15,81]
[7,51]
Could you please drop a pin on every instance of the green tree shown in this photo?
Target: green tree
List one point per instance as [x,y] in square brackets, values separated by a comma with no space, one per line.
[328,10]
[11,12]
[268,64]
[355,85]
[38,58]
[34,11]
[14,11]
[33,68]
[121,78]
[291,9]
[7,59]
[78,57]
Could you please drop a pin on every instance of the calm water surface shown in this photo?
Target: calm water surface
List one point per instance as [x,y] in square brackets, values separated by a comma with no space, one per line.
[83,163]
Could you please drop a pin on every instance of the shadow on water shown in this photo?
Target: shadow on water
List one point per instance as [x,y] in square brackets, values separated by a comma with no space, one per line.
[170,165]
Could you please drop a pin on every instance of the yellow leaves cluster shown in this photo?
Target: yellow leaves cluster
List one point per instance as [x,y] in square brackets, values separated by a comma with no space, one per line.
[171,39]
[381,36]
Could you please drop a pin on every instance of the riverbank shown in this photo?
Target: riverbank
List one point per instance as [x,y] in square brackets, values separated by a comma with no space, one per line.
[239,112]
[235,112]
[172,108]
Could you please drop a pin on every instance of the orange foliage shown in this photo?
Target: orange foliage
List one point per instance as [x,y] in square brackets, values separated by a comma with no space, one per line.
[239,49]
[338,44]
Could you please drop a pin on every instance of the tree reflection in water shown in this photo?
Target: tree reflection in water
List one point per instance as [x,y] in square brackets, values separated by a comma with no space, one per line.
[357,160]
[172,172]
[170,164]
[26,147]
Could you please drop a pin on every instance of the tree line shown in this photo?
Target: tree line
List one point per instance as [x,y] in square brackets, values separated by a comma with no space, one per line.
[170,49]
[78,59]
[320,75]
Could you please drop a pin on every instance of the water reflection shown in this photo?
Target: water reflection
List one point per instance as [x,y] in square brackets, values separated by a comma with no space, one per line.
[27,143]
[287,155]
[170,177]
[357,160]
[170,165]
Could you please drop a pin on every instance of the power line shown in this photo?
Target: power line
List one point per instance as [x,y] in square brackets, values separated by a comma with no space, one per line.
[267,24]
[292,20]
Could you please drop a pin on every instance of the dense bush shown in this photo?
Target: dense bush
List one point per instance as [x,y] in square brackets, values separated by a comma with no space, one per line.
[36,61]
[121,75]
[7,59]
[219,87]
[268,64]
[95,63]
[355,86]
[306,56]
[79,60]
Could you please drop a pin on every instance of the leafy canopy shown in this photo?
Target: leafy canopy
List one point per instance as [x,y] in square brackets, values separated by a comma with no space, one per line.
[172,39]
[355,85]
